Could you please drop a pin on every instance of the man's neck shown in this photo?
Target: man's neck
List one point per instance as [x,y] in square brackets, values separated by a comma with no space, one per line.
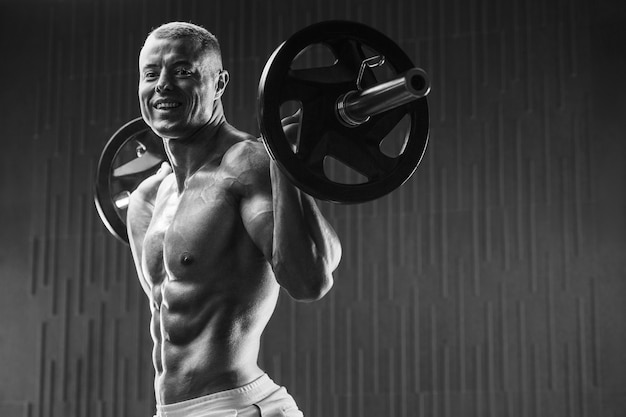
[188,155]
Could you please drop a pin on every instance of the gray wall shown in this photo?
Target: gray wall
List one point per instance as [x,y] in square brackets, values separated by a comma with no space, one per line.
[490,284]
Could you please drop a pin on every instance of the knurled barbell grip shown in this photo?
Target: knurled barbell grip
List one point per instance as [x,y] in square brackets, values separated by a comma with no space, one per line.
[356,107]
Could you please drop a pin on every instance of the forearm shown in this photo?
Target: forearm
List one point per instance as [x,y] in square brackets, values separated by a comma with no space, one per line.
[305,249]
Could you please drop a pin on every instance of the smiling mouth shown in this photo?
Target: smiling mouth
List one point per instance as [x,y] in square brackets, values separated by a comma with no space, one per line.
[167,105]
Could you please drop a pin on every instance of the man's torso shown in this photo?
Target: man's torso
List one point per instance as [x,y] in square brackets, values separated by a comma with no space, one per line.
[211,289]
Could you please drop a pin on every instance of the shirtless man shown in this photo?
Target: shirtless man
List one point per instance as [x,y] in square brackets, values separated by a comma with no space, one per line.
[214,235]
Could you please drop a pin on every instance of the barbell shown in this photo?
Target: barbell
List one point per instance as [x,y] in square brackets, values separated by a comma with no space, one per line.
[348,108]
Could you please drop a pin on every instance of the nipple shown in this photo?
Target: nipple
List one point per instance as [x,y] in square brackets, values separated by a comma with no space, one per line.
[186,259]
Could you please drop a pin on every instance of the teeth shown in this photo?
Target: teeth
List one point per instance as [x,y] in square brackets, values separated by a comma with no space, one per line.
[167,105]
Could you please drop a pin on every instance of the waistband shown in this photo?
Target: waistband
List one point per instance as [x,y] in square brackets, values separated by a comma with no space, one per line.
[230,399]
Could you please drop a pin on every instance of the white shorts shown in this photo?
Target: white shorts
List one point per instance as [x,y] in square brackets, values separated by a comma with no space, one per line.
[260,398]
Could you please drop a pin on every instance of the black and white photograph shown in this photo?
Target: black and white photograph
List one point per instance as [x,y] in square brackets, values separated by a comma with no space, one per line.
[323,208]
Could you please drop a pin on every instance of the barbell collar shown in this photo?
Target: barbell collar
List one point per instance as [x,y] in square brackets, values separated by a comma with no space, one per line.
[356,107]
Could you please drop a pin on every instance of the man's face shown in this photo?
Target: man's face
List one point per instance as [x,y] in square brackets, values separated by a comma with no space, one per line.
[177,88]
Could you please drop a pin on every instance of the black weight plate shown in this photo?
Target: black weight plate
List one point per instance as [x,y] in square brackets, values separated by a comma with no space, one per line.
[132,154]
[321,133]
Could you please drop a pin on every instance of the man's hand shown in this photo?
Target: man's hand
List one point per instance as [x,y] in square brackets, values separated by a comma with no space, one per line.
[147,190]
[291,127]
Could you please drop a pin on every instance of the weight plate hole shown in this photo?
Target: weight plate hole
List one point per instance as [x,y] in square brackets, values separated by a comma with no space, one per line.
[394,143]
[338,172]
[289,119]
[314,56]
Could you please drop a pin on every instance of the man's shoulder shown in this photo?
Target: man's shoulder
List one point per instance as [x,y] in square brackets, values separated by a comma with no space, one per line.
[246,154]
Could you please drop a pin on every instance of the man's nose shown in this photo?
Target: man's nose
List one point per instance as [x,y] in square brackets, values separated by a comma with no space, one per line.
[163,83]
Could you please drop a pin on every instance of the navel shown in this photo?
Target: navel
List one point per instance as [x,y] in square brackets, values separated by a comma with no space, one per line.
[186,259]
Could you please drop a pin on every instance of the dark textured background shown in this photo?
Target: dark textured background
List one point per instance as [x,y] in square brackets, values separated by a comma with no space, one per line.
[491,284]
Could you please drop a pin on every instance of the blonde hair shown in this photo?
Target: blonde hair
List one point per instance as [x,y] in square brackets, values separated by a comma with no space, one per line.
[207,42]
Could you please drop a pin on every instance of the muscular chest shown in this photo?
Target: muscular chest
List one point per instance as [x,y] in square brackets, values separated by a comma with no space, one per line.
[190,232]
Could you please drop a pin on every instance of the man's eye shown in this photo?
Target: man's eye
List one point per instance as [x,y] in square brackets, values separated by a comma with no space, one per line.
[183,72]
[150,75]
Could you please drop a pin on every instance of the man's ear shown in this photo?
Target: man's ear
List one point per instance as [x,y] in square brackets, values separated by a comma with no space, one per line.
[220,85]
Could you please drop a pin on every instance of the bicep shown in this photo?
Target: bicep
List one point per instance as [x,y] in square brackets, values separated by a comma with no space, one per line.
[258,219]
[250,161]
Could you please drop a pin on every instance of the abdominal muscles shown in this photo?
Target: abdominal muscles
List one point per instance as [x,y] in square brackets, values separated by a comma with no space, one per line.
[207,334]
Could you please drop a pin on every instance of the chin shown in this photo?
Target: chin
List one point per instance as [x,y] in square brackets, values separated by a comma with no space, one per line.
[167,130]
